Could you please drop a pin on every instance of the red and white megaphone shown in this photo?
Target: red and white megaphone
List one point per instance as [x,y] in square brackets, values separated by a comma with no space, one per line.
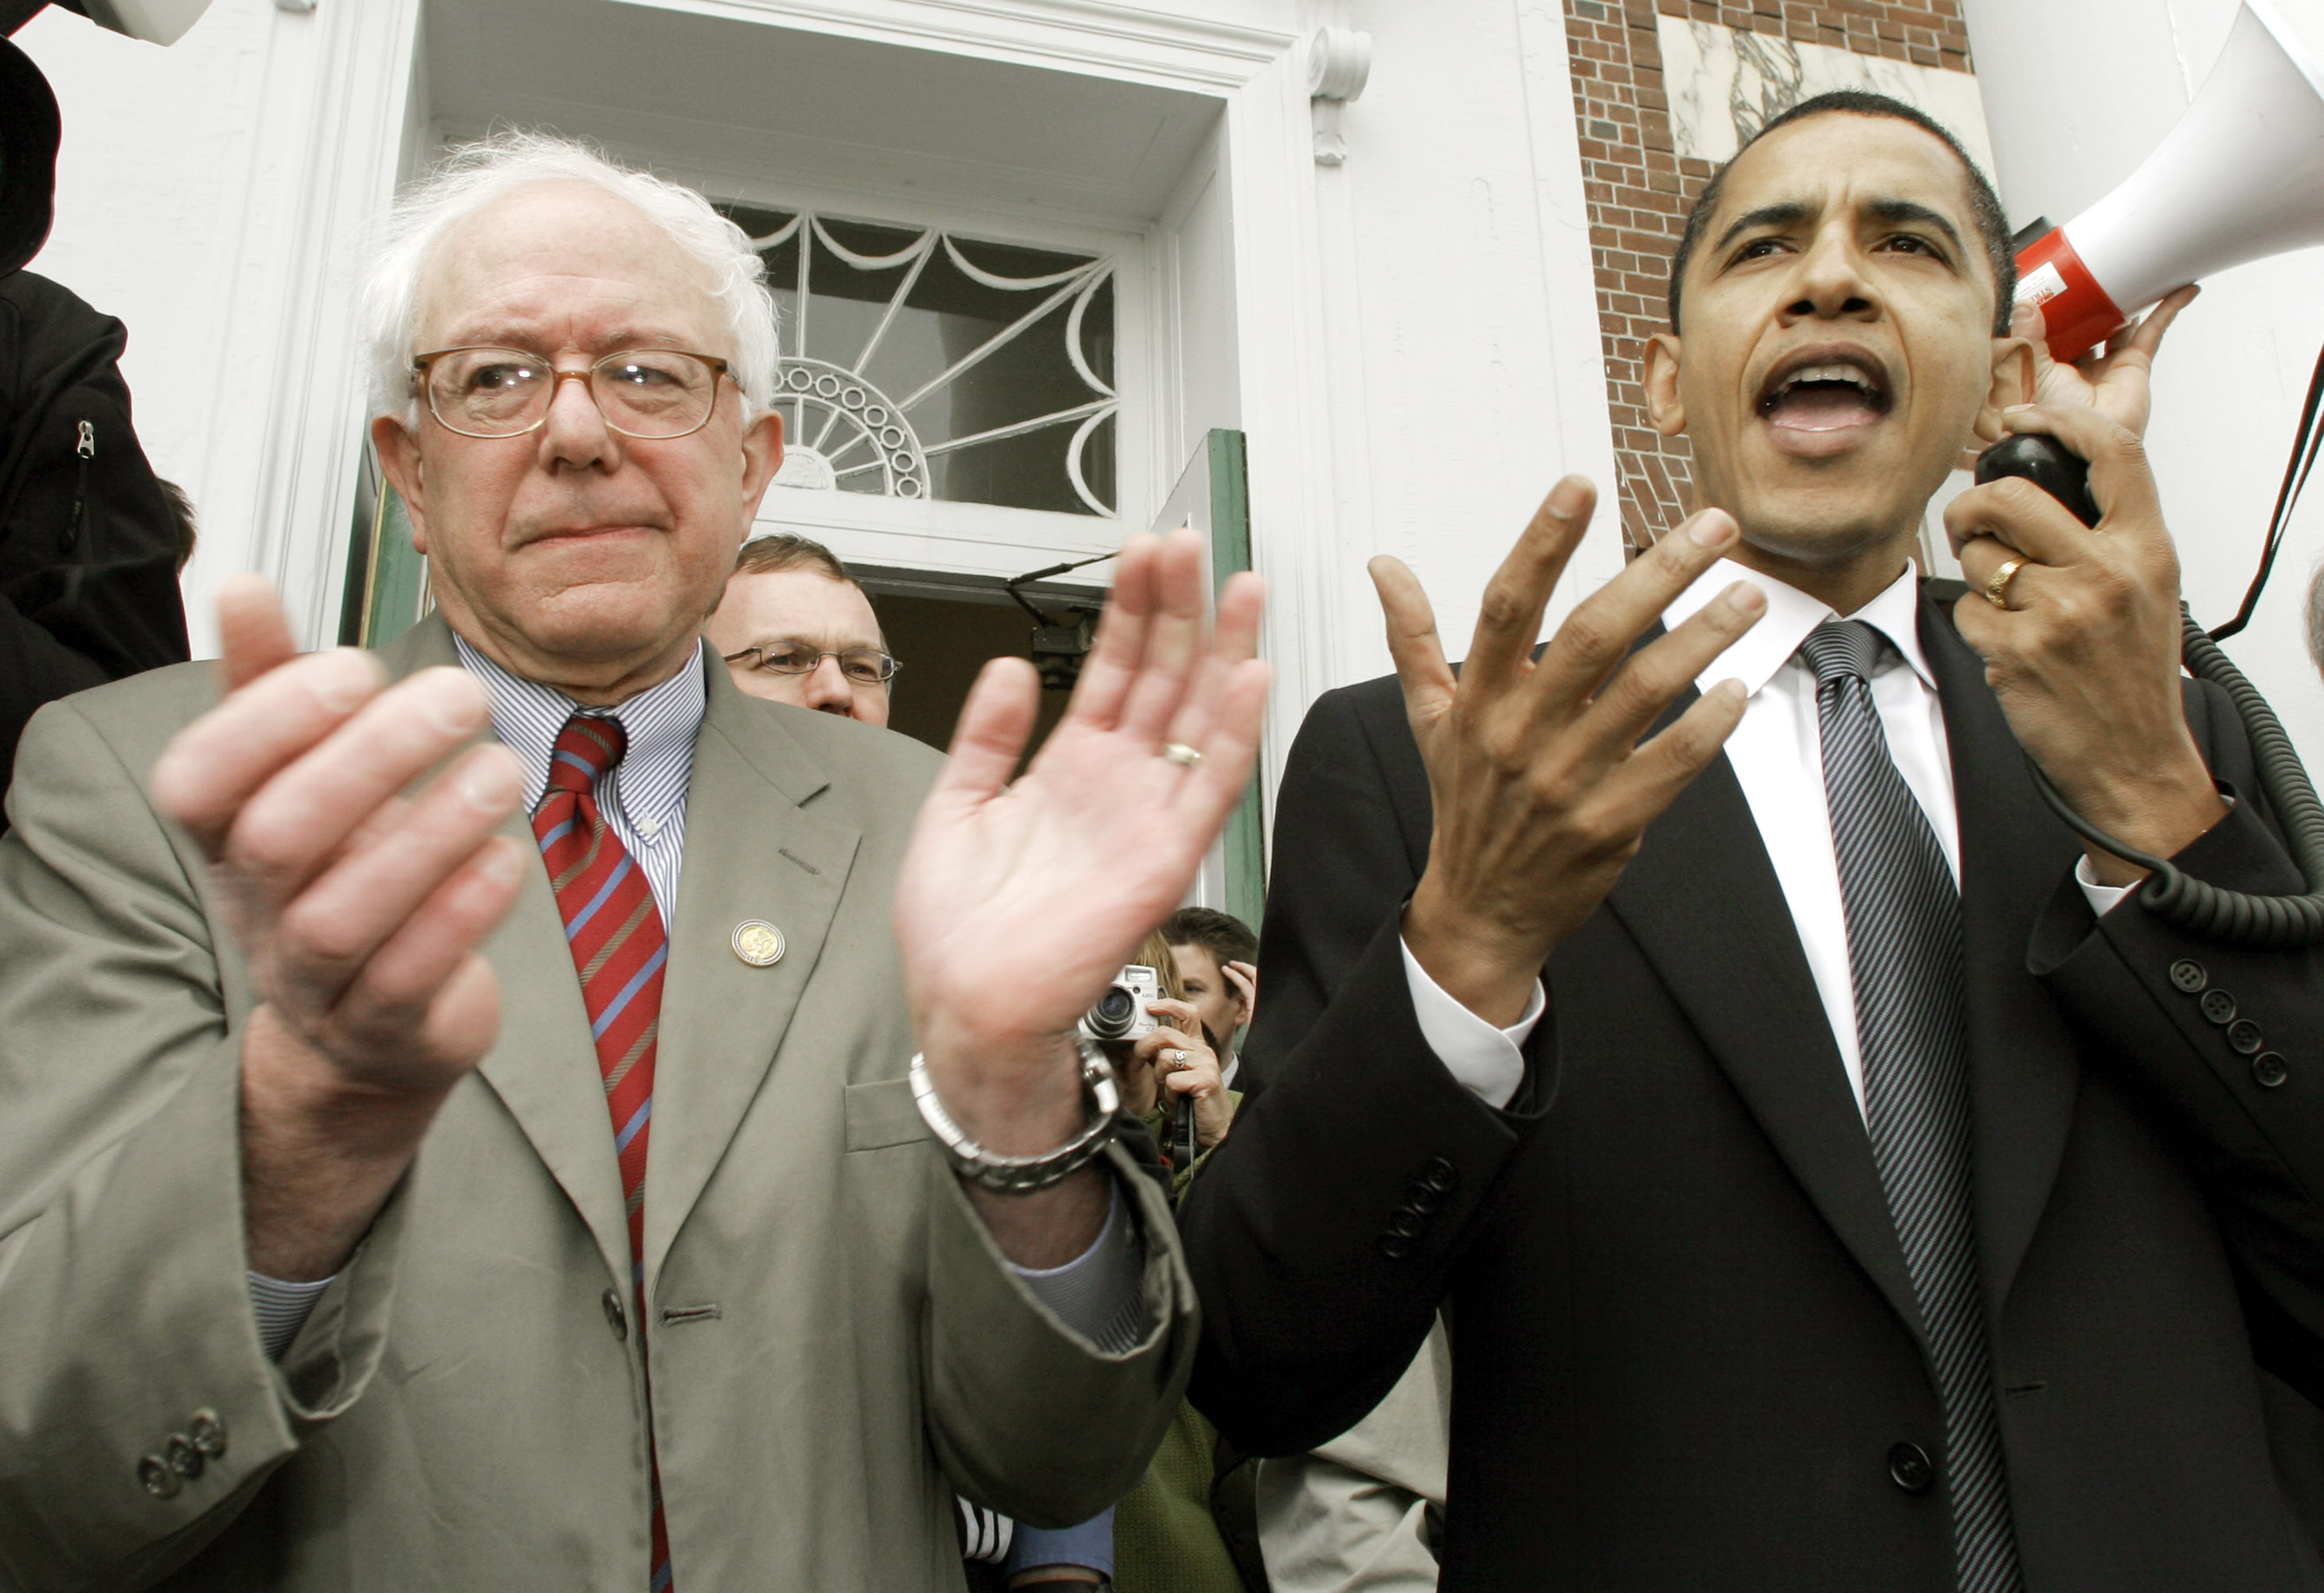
[2240,178]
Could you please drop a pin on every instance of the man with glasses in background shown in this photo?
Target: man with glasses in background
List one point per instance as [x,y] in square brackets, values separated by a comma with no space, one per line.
[460,1121]
[794,626]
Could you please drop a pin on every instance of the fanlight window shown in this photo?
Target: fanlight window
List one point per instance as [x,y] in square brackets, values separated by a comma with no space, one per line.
[921,364]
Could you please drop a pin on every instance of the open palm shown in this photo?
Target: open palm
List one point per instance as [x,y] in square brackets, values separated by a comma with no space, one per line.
[1019,902]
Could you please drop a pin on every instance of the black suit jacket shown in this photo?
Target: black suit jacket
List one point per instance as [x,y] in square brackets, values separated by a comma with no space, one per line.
[1685,1347]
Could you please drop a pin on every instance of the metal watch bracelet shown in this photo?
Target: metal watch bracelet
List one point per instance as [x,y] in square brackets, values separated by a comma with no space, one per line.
[1024,1174]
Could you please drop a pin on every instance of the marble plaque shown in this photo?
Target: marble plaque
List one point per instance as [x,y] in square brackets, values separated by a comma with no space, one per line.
[1724,84]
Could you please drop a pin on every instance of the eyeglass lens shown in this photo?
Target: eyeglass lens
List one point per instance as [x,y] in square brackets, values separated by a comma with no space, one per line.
[864,666]
[503,391]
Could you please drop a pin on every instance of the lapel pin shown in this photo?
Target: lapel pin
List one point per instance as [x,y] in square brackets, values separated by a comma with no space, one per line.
[757,943]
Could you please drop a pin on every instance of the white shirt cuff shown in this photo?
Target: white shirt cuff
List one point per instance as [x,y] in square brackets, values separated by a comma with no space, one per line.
[1487,1062]
[2103,899]
[1100,1293]
[282,1309]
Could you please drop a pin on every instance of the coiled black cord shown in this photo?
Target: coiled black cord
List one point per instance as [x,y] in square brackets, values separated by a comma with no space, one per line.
[2231,916]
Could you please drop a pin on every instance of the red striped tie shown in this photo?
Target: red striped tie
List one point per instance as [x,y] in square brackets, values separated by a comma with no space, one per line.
[615,933]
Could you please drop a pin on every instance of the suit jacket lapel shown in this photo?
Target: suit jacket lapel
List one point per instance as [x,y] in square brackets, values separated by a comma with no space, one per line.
[544,1067]
[1702,900]
[2024,1071]
[751,851]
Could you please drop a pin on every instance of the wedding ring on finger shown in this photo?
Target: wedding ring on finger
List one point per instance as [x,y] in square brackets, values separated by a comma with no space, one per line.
[1175,1057]
[1181,754]
[1996,584]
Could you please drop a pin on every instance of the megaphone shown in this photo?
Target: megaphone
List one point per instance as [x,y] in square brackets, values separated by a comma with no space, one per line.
[2240,178]
[157,21]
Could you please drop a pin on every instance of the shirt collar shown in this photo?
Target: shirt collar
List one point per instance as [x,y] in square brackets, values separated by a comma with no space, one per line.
[660,723]
[1791,613]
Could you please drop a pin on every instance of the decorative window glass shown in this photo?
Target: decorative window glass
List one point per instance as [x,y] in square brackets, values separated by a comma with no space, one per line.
[920,364]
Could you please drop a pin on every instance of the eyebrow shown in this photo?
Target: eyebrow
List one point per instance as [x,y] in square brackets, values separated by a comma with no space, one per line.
[1789,213]
[1792,212]
[1896,210]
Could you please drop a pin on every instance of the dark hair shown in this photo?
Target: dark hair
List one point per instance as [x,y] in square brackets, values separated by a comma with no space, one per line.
[182,524]
[767,556]
[1985,208]
[1226,937]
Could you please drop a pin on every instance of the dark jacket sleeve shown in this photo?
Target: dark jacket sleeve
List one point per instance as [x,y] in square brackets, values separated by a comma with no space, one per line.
[2230,1040]
[1322,1232]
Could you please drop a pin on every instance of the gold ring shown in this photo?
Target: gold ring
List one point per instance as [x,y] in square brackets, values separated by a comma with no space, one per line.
[1181,754]
[1996,584]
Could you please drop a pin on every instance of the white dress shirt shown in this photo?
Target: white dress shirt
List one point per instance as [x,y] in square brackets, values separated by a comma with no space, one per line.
[1777,755]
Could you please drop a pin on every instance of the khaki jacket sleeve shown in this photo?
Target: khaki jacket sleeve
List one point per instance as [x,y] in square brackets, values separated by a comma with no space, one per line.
[125,1302]
[1026,1416]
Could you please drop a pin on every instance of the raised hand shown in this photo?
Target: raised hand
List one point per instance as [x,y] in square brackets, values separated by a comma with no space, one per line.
[2115,384]
[358,912]
[1019,902]
[1541,786]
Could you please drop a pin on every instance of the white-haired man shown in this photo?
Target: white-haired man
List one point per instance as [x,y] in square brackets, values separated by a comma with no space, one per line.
[370,1218]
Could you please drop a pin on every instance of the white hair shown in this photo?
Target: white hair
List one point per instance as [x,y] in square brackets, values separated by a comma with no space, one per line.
[474,176]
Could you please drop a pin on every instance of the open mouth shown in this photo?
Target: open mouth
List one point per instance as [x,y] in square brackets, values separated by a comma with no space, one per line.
[1825,401]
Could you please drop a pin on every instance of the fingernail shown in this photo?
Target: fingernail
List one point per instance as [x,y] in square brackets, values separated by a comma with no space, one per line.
[1712,528]
[1731,689]
[1745,598]
[2018,409]
[488,782]
[1565,499]
[341,678]
[451,698]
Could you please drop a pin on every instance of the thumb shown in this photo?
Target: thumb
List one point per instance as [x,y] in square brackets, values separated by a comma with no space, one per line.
[253,637]
[1413,640]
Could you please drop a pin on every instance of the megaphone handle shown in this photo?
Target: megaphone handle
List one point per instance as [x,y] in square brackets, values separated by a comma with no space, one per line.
[2049,464]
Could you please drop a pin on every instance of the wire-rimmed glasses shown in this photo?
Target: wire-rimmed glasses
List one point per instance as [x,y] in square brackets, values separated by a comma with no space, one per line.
[862,666]
[486,391]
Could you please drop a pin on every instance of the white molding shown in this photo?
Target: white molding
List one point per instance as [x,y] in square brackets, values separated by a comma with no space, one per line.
[1130,42]
[1286,396]
[341,133]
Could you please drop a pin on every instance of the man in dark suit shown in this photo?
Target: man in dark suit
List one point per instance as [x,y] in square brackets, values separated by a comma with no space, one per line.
[1834,1178]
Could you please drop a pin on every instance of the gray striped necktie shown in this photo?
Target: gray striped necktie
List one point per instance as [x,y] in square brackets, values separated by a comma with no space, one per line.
[1904,951]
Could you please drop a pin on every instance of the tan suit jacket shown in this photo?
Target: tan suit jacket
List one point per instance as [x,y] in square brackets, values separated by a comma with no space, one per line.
[836,1345]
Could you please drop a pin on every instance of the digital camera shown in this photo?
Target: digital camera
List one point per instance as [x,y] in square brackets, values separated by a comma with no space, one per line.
[1122,1014]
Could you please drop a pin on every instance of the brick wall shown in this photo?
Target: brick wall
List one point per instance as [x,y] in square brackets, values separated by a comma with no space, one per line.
[1638,189]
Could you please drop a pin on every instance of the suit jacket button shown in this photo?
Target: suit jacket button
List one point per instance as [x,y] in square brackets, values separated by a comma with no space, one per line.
[2245,1037]
[2268,1070]
[1440,1175]
[154,1476]
[1909,1468]
[207,1428]
[1406,1223]
[2219,1007]
[616,1318]
[2188,975]
[184,1459]
[1394,1247]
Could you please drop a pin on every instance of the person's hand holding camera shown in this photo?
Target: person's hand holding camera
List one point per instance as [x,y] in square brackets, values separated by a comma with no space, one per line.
[1178,1065]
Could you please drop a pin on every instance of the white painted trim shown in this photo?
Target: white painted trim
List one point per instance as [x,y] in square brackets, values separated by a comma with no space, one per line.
[1295,542]
[303,389]
[1132,43]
